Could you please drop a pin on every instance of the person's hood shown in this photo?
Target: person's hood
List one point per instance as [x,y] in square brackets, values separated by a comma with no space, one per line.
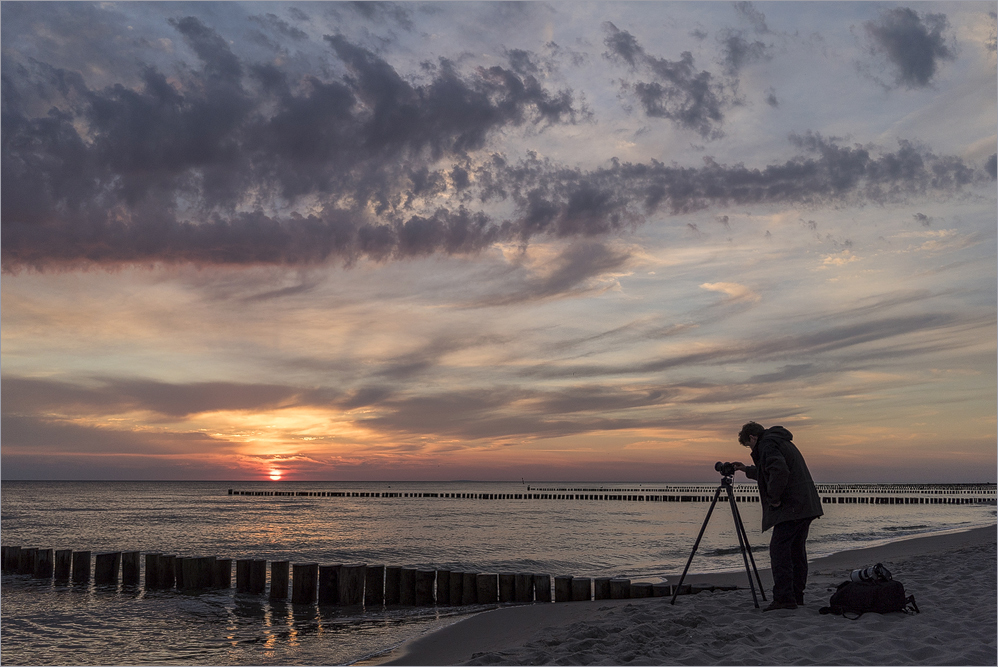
[779,432]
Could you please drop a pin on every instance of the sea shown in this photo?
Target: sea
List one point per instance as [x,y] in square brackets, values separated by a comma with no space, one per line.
[43,622]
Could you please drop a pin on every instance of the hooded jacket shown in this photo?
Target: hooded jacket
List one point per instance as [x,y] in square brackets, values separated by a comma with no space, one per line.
[783,477]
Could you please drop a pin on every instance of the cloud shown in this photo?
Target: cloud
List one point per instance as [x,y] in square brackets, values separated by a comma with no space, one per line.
[234,161]
[575,270]
[34,435]
[839,259]
[912,43]
[736,292]
[860,341]
[738,52]
[187,166]
[115,396]
[691,99]
[752,15]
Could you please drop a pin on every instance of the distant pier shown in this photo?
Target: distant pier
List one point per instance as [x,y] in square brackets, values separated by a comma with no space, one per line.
[872,494]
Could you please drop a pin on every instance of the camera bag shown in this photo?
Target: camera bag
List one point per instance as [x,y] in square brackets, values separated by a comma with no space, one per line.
[881,597]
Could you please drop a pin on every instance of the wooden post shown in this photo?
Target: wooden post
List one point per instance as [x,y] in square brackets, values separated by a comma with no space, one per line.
[106,567]
[152,571]
[329,584]
[43,564]
[407,586]
[304,583]
[81,566]
[641,589]
[11,558]
[563,589]
[507,587]
[620,589]
[456,587]
[661,590]
[488,588]
[26,561]
[178,571]
[167,570]
[258,576]
[352,584]
[469,588]
[197,572]
[443,587]
[582,589]
[424,587]
[374,586]
[221,573]
[243,575]
[187,573]
[279,579]
[601,588]
[542,587]
[130,568]
[523,587]
[63,564]
[393,583]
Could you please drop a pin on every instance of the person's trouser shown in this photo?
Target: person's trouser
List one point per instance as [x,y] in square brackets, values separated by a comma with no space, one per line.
[788,559]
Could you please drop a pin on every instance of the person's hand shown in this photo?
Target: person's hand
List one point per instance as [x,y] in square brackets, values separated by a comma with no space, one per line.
[739,466]
[775,505]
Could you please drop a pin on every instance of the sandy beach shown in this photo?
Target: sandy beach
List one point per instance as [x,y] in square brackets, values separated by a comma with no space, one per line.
[952,576]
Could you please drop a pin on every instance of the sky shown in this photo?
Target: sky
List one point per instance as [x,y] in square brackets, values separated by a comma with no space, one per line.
[497,241]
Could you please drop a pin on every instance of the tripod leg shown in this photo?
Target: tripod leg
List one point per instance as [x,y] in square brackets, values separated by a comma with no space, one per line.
[742,541]
[697,543]
[741,527]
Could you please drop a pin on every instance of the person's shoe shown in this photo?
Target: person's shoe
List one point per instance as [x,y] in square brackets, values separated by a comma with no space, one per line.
[780,605]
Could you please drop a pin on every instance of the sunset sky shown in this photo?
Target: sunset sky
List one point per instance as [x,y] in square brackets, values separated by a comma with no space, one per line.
[550,241]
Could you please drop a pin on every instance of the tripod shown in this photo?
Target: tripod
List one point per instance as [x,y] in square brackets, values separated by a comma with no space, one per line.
[743,543]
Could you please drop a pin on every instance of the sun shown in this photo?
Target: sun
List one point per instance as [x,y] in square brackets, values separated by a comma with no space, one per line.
[275,475]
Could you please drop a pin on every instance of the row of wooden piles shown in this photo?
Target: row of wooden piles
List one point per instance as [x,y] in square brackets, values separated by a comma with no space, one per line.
[308,583]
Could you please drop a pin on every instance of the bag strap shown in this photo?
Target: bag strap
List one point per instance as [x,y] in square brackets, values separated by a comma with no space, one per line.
[840,611]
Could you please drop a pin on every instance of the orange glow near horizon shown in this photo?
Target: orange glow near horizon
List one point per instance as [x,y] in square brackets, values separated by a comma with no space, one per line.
[275,475]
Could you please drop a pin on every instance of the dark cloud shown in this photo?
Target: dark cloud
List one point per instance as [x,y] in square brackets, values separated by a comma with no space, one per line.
[279,25]
[771,98]
[180,168]
[115,396]
[378,12]
[859,338]
[242,162]
[36,435]
[923,219]
[991,44]
[753,16]
[568,273]
[913,44]
[692,99]
[504,412]
[738,51]
[991,166]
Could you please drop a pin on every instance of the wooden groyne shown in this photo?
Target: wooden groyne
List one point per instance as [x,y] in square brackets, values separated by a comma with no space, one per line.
[372,586]
[873,494]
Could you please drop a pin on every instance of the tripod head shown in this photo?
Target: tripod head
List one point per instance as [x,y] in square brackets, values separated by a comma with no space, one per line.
[727,471]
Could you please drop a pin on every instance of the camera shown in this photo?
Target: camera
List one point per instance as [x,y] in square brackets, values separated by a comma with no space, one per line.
[726,469]
[872,573]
